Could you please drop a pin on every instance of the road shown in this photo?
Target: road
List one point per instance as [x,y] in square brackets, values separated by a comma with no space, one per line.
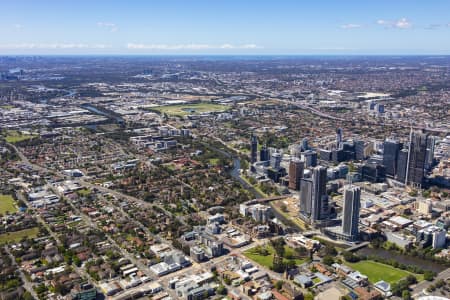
[420,288]
[26,284]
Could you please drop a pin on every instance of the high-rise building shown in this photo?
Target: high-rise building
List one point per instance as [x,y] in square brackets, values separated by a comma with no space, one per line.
[401,165]
[430,153]
[417,155]
[310,158]
[339,133]
[325,154]
[359,150]
[350,216]
[390,156]
[296,167]
[254,149]
[275,160]
[264,154]
[305,144]
[306,196]
[373,172]
[319,205]
[338,155]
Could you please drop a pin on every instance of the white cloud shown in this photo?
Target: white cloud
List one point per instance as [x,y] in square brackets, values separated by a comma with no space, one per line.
[111,27]
[18,27]
[402,23]
[134,46]
[31,46]
[351,26]
[383,22]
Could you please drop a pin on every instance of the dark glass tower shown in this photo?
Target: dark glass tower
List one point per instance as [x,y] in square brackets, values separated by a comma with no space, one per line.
[319,207]
[254,149]
[390,156]
[350,217]
[417,157]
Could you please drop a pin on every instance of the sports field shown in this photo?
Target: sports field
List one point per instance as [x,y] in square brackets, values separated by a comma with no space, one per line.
[17,236]
[190,109]
[377,271]
[7,204]
[13,136]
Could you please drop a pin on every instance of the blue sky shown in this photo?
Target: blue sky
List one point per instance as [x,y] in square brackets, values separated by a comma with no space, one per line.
[225,27]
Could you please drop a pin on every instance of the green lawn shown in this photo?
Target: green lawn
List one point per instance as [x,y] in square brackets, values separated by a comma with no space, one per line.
[267,260]
[377,271]
[13,136]
[190,109]
[84,192]
[7,204]
[316,280]
[17,236]
[214,161]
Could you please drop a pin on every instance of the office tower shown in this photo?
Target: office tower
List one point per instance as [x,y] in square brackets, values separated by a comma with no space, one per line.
[296,167]
[264,154]
[349,150]
[373,172]
[338,155]
[439,239]
[296,150]
[415,169]
[325,155]
[305,144]
[359,150]
[310,158]
[275,160]
[430,153]
[305,196]
[338,138]
[390,156]
[254,149]
[319,205]
[350,216]
[401,165]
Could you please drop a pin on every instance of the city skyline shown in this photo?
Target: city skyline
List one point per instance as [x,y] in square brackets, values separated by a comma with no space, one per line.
[225,28]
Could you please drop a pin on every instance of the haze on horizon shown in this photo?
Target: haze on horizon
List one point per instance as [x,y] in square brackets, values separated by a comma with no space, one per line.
[177,27]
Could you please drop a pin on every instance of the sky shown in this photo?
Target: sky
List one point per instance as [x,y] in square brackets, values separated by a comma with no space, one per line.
[253,27]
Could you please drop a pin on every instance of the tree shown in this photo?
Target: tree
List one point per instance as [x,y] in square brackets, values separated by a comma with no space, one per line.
[221,290]
[308,296]
[27,296]
[279,285]
[328,260]
[350,257]
[428,275]
[278,246]
[278,264]
[411,279]
[413,193]
[330,250]
[406,295]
